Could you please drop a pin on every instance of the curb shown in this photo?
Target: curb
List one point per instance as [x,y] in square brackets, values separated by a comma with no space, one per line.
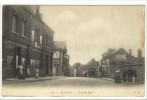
[123,82]
[33,80]
[107,79]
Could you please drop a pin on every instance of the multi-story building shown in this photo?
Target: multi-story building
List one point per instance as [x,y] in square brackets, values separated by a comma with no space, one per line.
[60,59]
[122,59]
[27,40]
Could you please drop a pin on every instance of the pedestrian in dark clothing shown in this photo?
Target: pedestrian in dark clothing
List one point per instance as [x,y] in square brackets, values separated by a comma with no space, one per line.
[17,71]
[134,75]
[124,75]
[117,76]
[28,72]
[20,72]
[130,74]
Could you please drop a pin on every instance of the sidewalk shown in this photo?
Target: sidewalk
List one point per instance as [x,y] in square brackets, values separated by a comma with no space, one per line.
[110,79]
[32,79]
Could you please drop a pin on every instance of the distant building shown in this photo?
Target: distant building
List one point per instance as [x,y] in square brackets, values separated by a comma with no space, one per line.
[122,59]
[26,40]
[72,72]
[92,68]
[60,59]
[86,70]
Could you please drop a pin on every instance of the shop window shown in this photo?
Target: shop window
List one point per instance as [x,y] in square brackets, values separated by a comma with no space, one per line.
[23,61]
[9,61]
[34,63]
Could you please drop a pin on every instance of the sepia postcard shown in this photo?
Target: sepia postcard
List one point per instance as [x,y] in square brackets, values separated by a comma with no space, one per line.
[73,50]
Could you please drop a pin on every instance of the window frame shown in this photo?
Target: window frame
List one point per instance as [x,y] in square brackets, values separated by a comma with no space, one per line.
[33,35]
[40,39]
[23,30]
[46,40]
[37,37]
[9,61]
[14,23]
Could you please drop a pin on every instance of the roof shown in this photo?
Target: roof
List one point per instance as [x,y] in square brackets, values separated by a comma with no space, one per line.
[59,45]
[32,10]
[121,50]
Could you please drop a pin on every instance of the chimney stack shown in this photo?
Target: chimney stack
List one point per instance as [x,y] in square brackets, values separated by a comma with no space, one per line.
[37,13]
[139,53]
[130,51]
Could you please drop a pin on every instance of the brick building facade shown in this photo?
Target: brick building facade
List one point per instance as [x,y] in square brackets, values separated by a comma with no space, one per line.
[122,59]
[26,40]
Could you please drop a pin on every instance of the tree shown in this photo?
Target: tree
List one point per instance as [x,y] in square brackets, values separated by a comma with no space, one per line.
[76,65]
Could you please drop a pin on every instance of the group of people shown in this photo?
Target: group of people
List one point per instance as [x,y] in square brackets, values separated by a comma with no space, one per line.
[127,75]
[20,72]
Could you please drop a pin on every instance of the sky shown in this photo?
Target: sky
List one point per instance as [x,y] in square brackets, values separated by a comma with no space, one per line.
[90,30]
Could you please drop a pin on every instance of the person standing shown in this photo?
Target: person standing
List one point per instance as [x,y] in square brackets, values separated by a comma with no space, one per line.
[117,76]
[20,72]
[36,73]
[124,75]
[28,72]
[134,75]
[130,74]
[17,72]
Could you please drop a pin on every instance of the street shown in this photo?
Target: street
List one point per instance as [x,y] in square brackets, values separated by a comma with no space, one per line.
[71,86]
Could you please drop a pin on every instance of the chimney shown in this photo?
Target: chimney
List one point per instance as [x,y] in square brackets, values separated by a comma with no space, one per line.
[130,51]
[111,50]
[37,9]
[139,53]
[37,14]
